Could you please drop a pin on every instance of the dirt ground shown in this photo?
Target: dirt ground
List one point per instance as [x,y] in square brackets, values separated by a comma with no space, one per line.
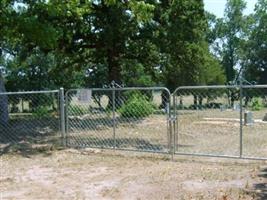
[99,174]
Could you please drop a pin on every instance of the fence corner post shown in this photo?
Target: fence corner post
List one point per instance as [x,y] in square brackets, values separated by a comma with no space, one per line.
[62,116]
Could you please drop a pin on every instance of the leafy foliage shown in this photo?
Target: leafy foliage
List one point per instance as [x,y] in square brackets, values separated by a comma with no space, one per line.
[47,44]
[91,43]
[137,106]
[255,63]
[41,112]
[77,110]
[256,104]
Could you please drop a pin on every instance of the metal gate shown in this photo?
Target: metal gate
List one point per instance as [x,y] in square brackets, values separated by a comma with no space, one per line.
[119,118]
[221,121]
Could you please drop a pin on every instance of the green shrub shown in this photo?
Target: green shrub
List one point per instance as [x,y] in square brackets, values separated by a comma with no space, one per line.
[77,110]
[256,104]
[41,112]
[137,106]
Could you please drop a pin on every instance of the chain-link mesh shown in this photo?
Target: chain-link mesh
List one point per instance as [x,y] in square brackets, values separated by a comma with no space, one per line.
[207,120]
[29,117]
[214,120]
[89,118]
[255,121]
[128,118]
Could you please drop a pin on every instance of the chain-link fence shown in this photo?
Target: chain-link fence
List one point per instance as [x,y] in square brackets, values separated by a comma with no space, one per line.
[226,121]
[29,118]
[254,131]
[221,121]
[120,118]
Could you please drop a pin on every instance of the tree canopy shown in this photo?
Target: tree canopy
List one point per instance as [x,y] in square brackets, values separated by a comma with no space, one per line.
[47,44]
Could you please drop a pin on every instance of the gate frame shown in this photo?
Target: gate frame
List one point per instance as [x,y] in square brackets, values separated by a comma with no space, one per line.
[113,90]
[176,115]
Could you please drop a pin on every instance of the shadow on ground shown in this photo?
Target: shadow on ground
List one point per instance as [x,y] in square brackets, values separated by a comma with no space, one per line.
[120,143]
[261,188]
[28,136]
[26,149]
[95,122]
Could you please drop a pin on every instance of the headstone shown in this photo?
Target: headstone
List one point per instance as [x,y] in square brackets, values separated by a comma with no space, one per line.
[236,107]
[248,118]
[222,108]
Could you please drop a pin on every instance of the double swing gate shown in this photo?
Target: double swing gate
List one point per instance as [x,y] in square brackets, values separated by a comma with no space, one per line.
[220,121]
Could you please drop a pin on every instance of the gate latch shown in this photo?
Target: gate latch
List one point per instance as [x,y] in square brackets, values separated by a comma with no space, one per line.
[172,118]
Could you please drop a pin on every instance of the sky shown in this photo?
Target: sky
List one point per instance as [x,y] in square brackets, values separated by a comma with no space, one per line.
[217,6]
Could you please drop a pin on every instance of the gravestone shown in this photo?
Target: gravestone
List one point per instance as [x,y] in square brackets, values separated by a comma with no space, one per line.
[248,118]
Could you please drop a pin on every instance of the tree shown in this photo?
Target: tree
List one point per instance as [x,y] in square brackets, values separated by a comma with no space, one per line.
[183,44]
[3,103]
[255,67]
[230,36]
[94,38]
[95,42]
[6,32]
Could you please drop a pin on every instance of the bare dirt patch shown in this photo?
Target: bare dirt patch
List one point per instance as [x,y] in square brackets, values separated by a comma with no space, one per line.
[95,174]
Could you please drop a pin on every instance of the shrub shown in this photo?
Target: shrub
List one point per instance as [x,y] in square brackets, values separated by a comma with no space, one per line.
[77,110]
[137,106]
[41,112]
[214,105]
[256,104]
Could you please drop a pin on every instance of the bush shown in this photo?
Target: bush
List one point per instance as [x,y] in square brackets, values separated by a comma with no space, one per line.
[137,106]
[77,110]
[256,104]
[213,105]
[41,112]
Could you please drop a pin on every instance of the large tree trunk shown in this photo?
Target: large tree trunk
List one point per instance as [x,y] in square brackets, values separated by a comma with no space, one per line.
[114,74]
[3,103]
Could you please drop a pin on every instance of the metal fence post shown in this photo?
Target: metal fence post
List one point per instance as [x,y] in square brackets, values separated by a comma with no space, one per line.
[175,137]
[241,120]
[113,117]
[169,130]
[62,116]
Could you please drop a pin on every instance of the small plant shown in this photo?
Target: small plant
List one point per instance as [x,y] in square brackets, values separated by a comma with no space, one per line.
[41,112]
[137,106]
[256,104]
[77,110]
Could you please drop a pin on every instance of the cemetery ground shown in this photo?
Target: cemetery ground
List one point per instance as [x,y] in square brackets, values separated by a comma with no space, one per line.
[48,173]
[32,170]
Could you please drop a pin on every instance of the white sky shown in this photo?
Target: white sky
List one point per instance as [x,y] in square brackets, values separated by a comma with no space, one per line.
[217,6]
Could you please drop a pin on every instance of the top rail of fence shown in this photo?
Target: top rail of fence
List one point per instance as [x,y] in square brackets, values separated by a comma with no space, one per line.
[219,87]
[254,86]
[141,88]
[30,92]
[124,89]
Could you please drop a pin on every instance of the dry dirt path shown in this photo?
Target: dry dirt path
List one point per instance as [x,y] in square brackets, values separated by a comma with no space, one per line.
[90,174]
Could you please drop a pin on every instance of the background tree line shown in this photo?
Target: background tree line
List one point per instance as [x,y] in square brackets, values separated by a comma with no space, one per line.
[89,43]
